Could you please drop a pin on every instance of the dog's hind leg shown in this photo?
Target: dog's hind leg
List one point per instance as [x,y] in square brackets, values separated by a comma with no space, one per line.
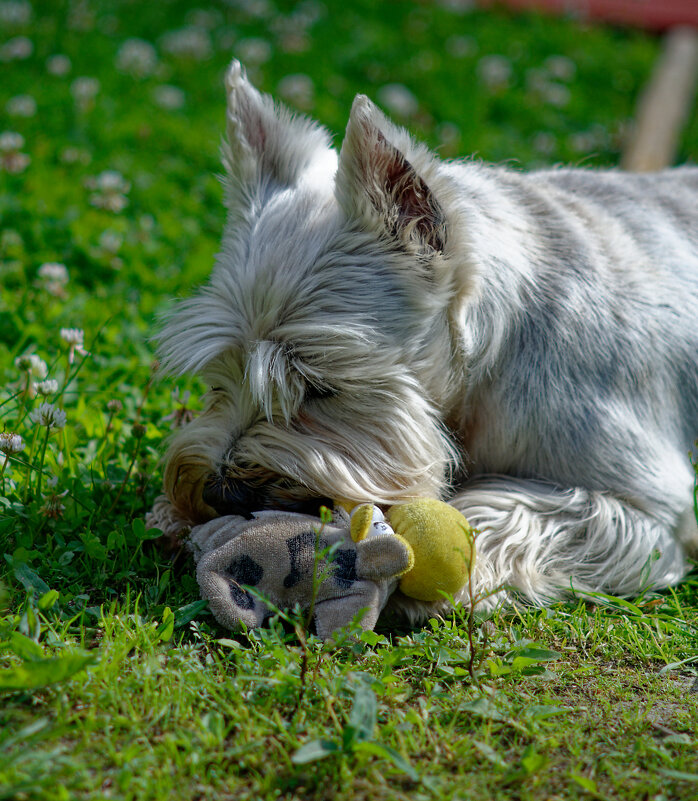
[544,543]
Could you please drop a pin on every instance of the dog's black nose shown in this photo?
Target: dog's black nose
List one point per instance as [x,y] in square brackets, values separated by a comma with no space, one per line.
[230,497]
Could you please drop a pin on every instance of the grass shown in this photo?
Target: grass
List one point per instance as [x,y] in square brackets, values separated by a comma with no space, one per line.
[115,680]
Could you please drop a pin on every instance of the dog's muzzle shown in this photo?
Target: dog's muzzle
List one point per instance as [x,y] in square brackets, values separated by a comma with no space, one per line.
[230,497]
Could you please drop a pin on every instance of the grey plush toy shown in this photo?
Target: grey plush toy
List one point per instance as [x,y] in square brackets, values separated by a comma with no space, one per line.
[278,553]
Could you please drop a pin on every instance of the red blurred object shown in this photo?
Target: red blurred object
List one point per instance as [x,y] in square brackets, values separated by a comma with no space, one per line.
[654,14]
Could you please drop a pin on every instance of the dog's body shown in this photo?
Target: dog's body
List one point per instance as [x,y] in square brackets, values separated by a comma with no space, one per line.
[382,325]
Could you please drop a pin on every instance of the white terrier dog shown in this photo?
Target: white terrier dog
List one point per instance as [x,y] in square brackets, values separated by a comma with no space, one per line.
[381,325]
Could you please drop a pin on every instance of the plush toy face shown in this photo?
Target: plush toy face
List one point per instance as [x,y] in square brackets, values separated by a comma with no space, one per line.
[283,557]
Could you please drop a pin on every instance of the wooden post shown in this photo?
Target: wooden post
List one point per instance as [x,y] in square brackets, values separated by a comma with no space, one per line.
[664,105]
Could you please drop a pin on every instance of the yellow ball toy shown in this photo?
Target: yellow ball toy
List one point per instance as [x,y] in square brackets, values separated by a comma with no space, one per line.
[439,537]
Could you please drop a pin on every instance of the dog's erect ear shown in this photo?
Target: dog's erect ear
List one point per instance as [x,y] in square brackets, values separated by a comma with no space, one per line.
[378,184]
[265,141]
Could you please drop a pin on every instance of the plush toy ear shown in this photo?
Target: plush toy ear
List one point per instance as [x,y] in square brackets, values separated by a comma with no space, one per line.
[377,183]
[225,590]
[383,557]
[361,520]
[265,142]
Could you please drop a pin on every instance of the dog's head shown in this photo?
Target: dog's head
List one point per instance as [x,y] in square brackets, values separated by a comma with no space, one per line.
[323,331]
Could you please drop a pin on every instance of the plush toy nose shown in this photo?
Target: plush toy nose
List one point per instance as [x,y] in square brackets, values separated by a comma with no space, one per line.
[231,497]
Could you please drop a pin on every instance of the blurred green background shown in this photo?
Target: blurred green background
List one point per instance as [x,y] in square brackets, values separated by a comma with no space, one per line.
[137,87]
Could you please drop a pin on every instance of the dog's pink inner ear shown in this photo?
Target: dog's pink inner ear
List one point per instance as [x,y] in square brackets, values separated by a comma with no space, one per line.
[378,184]
[414,208]
[248,120]
[264,138]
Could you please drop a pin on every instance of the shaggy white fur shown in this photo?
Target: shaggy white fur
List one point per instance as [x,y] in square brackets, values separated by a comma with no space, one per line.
[381,325]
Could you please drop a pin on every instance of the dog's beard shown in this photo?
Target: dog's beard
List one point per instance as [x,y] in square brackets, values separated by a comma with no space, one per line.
[380,446]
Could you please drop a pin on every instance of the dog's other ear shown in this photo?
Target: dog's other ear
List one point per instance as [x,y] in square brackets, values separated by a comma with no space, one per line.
[377,182]
[265,141]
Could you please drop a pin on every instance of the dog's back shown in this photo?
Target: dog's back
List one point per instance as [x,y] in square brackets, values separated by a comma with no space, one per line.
[600,294]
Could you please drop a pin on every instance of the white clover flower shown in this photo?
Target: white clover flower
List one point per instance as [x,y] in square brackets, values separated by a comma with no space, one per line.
[561,67]
[11,240]
[75,155]
[32,364]
[538,81]
[84,90]
[58,65]
[49,416]
[169,97]
[112,181]
[111,202]
[53,507]
[297,89]
[11,443]
[10,141]
[53,271]
[495,71]
[255,8]
[21,106]
[15,12]
[111,241]
[110,190]
[73,336]
[189,42]
[556,94]
[253,51]
[137,57]
[11,160]
[398,99]
[14,163]
[47,387]
[53,277]
[17,49]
